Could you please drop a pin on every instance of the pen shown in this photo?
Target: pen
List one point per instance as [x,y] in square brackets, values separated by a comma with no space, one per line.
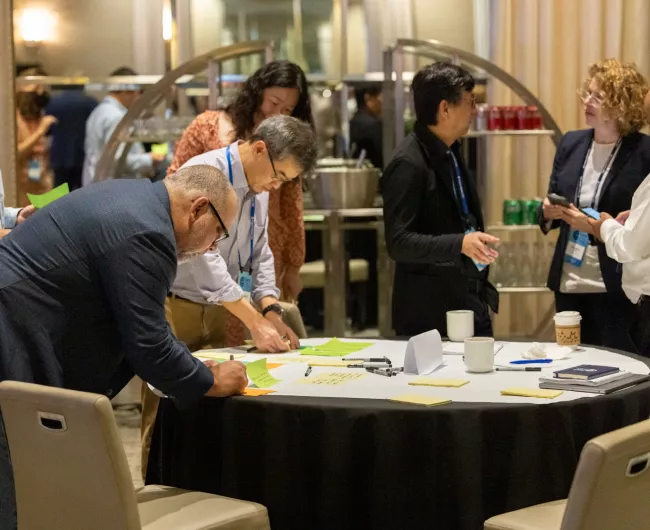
[232,357]
[366,365]
[308,371]
[251,350]
[518,369]
[385,360]
[379,372]
[533,361]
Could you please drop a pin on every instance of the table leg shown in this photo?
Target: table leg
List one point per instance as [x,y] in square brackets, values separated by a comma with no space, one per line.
[335,264]
[385,271]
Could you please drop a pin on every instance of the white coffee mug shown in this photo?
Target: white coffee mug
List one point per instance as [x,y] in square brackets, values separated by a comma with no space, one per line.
[460,325]
[479,354]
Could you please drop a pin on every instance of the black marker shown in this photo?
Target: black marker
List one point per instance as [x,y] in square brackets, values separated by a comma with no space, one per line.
[308,371]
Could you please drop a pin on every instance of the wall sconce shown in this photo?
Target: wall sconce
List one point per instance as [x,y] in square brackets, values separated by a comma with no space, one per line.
[35,26]
[167,22]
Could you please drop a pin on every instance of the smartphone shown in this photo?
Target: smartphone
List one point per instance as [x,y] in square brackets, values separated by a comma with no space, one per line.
[558,200]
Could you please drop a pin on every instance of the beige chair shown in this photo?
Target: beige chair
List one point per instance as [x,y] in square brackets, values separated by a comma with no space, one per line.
[312,273]
[609,492]
[71,472]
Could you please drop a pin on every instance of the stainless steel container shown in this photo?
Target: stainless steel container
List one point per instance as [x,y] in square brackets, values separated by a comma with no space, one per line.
[335,188]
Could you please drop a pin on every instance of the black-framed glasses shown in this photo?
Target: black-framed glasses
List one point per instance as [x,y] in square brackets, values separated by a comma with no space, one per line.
[275,173]
[225,234]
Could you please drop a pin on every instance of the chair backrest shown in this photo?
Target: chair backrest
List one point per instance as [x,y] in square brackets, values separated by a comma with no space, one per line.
[69,465]
[611,485]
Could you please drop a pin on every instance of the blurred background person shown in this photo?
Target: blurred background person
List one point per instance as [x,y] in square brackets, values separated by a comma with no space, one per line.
[71,108]
[279,87]
[365,126]
[32,127]
[600,168]
[100,125]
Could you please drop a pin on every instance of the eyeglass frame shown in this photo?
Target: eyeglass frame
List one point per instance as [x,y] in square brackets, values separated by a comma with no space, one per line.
[225,234]
[275,173]
[585,95]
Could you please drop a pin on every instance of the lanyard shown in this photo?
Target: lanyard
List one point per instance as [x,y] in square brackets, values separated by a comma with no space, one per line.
[461,190]
[604,172]
[252,223]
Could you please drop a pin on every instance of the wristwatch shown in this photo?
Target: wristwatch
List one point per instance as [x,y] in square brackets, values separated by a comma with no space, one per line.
[275,308]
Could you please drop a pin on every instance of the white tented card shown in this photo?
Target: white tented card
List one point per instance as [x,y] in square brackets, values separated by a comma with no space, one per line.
[423,353]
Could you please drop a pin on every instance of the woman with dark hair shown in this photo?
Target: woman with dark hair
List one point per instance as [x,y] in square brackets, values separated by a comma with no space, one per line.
[280,87]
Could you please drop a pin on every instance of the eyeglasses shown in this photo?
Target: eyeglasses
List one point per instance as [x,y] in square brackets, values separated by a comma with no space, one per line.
[275,173]
[597,99]
[225,234]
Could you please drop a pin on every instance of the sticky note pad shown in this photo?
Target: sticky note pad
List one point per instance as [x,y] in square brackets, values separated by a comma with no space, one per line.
[531,392]
[40,201]
[206,354]
[258,391]
[159,149]
[418,399]
[336,348]
[432,381]
[258,372]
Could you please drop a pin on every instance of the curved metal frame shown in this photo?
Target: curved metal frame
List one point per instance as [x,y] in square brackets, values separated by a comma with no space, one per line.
[152,96]
[437,50]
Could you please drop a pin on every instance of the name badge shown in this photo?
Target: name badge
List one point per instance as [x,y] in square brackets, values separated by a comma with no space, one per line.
[576,248]
[479,266]
[34,170]
[246,284]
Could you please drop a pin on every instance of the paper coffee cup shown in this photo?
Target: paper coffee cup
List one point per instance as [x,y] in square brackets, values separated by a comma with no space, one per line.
[567,328]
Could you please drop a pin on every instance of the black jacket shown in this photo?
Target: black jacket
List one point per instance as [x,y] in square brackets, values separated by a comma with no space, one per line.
[424,234]
[366,133]
[629,169]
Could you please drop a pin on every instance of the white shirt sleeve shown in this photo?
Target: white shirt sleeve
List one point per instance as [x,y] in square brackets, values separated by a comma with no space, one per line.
[264,271]
[631,241]
[213,279]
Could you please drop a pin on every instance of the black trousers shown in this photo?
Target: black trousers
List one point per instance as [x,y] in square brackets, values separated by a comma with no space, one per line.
[641,328]
[607,318]
[7,492]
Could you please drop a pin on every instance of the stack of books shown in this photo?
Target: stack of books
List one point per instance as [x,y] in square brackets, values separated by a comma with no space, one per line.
[592,378]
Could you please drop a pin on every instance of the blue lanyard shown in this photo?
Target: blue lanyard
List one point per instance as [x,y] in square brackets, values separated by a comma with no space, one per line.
[459,180]
[605,170]
[252,224]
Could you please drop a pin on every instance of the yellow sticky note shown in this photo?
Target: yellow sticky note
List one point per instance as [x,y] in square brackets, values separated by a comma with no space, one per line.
[159,149]
[418,399]
[270,366]
[432,381]
[257,391]
[207,354]
[531,392]
[284,360]
[332,378]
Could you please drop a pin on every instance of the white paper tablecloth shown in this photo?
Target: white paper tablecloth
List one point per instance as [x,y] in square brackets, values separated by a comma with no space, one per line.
[481,388]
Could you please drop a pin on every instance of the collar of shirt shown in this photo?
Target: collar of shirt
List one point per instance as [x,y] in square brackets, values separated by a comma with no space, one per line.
[110,100]
[435,147]
[239,181]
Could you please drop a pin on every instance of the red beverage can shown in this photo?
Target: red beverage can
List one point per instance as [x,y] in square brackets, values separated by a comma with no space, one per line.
[509,118]
[535,118]
[524,119]
[495,119]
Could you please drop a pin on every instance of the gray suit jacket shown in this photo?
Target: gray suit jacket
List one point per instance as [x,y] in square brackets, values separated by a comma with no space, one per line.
[82,295]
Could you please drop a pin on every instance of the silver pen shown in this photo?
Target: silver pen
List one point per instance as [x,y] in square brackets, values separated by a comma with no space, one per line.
[518,369]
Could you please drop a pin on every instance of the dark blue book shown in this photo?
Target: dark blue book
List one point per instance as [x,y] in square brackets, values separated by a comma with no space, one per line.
[586,372]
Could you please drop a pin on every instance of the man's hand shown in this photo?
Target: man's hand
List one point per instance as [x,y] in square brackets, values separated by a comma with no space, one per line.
[283,329]
[576,219]
[291,284]
[550,211]
[229,378]
[622,217]
[25,213]
[4,233]
[156,158]
[475,246]
[596,224]
[266,337]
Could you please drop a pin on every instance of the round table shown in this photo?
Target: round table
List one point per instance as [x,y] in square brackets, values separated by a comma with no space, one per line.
[336,463]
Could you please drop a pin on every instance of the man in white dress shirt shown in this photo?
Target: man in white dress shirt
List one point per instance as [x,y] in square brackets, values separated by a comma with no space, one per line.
[627,240]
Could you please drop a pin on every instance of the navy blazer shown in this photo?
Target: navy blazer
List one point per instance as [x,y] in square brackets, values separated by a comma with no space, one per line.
[629,169]
[83,284]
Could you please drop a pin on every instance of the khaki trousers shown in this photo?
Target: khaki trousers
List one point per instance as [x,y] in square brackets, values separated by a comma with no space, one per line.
[199,326]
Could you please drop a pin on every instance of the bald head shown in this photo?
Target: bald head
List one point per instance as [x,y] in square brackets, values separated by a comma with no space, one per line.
[203,205]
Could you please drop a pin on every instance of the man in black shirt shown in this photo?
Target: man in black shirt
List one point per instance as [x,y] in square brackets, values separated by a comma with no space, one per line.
[433,212]
[365,126]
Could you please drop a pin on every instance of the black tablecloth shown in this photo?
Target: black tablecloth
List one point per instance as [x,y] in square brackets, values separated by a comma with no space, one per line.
[336,464]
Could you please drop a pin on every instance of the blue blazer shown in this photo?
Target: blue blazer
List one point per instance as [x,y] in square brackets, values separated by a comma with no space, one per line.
[629,169]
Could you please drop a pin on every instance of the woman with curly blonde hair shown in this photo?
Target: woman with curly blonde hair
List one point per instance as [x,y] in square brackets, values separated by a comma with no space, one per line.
[598,168]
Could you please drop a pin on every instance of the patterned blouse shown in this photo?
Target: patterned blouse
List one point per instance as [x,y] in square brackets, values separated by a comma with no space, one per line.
[214,130]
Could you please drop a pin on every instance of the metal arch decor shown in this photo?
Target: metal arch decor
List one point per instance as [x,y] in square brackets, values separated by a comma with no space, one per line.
[152,96]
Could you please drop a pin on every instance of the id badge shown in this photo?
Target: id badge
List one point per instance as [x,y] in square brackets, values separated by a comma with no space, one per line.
[246,284]
[576,248]
[479,266]
[34,170]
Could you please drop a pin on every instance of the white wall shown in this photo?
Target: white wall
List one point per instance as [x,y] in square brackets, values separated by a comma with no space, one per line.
[449,21]
[91,37]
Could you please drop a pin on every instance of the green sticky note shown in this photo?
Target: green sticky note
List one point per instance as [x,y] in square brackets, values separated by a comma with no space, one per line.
[259,374]
[40,201]
[336,348]
[159,149]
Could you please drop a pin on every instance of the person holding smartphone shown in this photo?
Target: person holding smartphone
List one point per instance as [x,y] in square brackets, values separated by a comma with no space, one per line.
[597,169]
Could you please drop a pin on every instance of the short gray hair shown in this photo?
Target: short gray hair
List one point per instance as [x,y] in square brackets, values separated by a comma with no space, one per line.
[287,137]
[203,179]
